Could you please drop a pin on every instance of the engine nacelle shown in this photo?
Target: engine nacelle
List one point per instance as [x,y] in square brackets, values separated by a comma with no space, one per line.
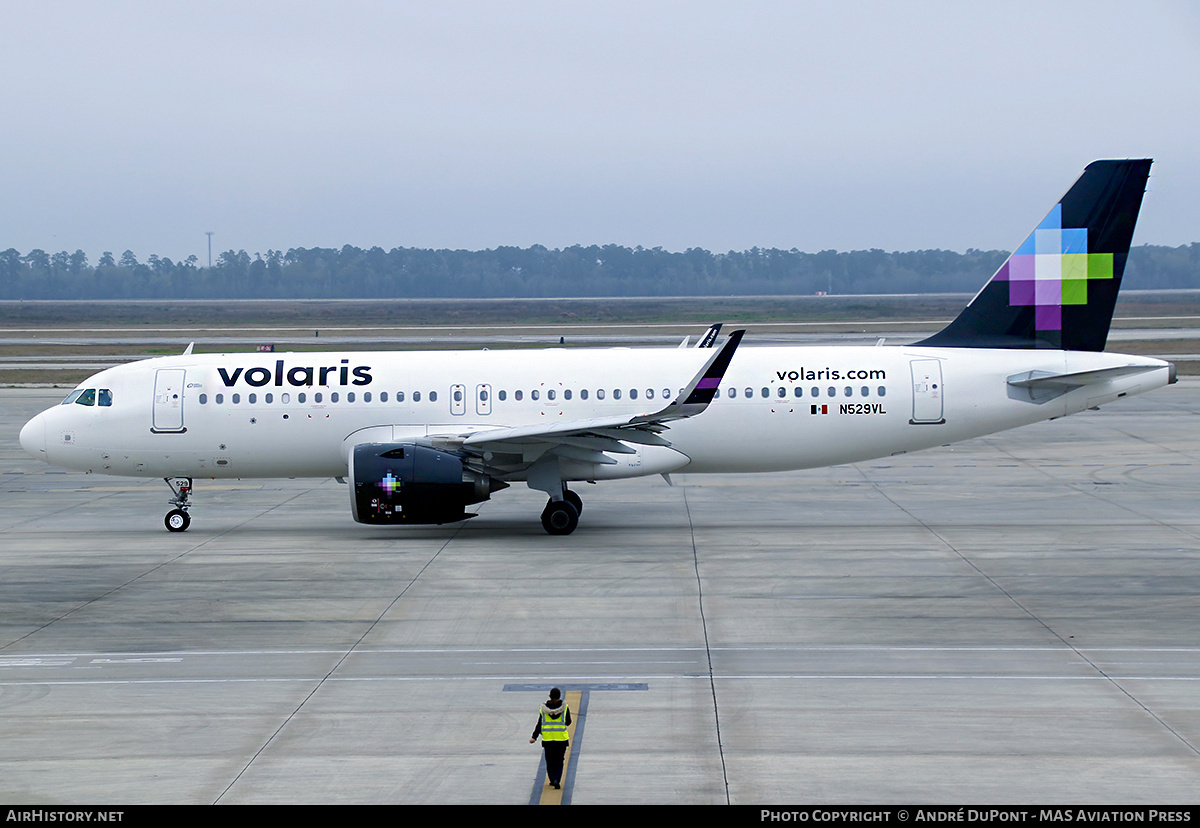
[407,483]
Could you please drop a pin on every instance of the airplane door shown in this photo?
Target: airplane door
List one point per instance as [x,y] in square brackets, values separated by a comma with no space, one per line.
[483,399]
[928,396]
[458,400]
[168,401]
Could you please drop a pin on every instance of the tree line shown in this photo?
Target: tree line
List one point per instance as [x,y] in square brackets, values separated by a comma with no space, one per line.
[533,272]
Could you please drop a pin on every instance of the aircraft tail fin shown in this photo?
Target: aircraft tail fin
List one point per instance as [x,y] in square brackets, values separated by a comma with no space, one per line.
[1059,288]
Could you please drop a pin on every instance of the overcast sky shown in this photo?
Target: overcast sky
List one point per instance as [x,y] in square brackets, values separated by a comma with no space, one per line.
[846,125]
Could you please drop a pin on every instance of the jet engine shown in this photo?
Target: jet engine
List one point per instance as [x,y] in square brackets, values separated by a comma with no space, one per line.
[407,483]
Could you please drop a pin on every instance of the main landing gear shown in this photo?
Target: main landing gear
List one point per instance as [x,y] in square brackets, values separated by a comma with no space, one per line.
[560,517]
[177,520]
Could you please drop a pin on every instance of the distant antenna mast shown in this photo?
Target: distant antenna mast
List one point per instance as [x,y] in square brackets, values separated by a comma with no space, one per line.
[209,233]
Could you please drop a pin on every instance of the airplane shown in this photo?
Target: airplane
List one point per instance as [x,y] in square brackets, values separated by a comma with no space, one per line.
[421,436]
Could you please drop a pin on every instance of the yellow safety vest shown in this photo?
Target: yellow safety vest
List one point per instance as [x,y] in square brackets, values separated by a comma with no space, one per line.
[554,728]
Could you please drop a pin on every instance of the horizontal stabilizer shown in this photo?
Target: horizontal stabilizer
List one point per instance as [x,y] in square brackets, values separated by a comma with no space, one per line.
[1043,386]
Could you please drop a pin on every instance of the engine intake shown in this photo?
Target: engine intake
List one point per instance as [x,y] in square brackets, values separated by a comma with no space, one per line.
[407,483]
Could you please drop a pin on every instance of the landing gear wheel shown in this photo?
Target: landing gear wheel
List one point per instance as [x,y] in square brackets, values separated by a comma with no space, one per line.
[177,520]
[560,517]
[574,499]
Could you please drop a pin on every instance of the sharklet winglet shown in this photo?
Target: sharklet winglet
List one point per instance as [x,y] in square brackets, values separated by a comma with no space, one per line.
[700,391]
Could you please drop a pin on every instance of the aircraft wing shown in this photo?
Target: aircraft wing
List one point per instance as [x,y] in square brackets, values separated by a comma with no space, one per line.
[588,440]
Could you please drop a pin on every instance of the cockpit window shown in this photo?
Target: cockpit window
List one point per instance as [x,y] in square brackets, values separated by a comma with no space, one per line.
[89,396]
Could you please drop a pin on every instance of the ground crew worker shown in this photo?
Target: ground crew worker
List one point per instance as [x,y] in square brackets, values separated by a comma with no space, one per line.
[553,720]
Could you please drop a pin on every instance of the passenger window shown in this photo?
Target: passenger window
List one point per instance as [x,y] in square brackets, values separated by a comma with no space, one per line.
[550,394]
[517,395]
[633,393]
[220,398]
[458,395]
[666,393]
[782,392]
[503,395]
[382,397]
[105,397]
[583,394]
[749,392]
[301,397]
[649,393]
[483,394]
[285,398]
[732,392]
[599,393]
[799,391]
[832,391]
[88,397]
[816,392]
[333,397]
[237,398]
[400,396]
[268,398]
[533,395]
[616,393]
[882,391]
[318,397]
[849,391]
[866,392]
[567,394]
[204,399]
[433,396]
[366,397]
[252,398]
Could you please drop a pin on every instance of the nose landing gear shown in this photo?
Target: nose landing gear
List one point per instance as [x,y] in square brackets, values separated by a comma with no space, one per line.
[178,519]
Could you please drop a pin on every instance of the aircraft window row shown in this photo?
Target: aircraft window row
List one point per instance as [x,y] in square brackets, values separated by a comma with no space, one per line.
[432,396]
[104,396]
[317,397]
[831,391]
[89,396]
[584,393]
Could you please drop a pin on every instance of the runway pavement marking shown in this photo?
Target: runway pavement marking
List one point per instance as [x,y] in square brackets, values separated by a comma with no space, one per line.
[145,660]
[447,651]
[457,678]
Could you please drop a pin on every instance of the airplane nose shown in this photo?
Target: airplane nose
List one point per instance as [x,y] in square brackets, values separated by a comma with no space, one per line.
[33,437]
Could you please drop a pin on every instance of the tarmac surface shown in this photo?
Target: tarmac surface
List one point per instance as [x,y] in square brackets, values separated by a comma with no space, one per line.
[1011,620]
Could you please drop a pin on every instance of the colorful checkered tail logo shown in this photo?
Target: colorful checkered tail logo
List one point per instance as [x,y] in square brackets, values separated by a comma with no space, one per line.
[1058,289]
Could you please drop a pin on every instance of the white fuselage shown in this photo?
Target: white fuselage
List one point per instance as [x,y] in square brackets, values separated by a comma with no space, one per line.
[778,408]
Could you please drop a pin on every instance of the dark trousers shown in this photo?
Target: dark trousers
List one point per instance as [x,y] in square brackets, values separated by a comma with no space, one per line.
[555,753]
